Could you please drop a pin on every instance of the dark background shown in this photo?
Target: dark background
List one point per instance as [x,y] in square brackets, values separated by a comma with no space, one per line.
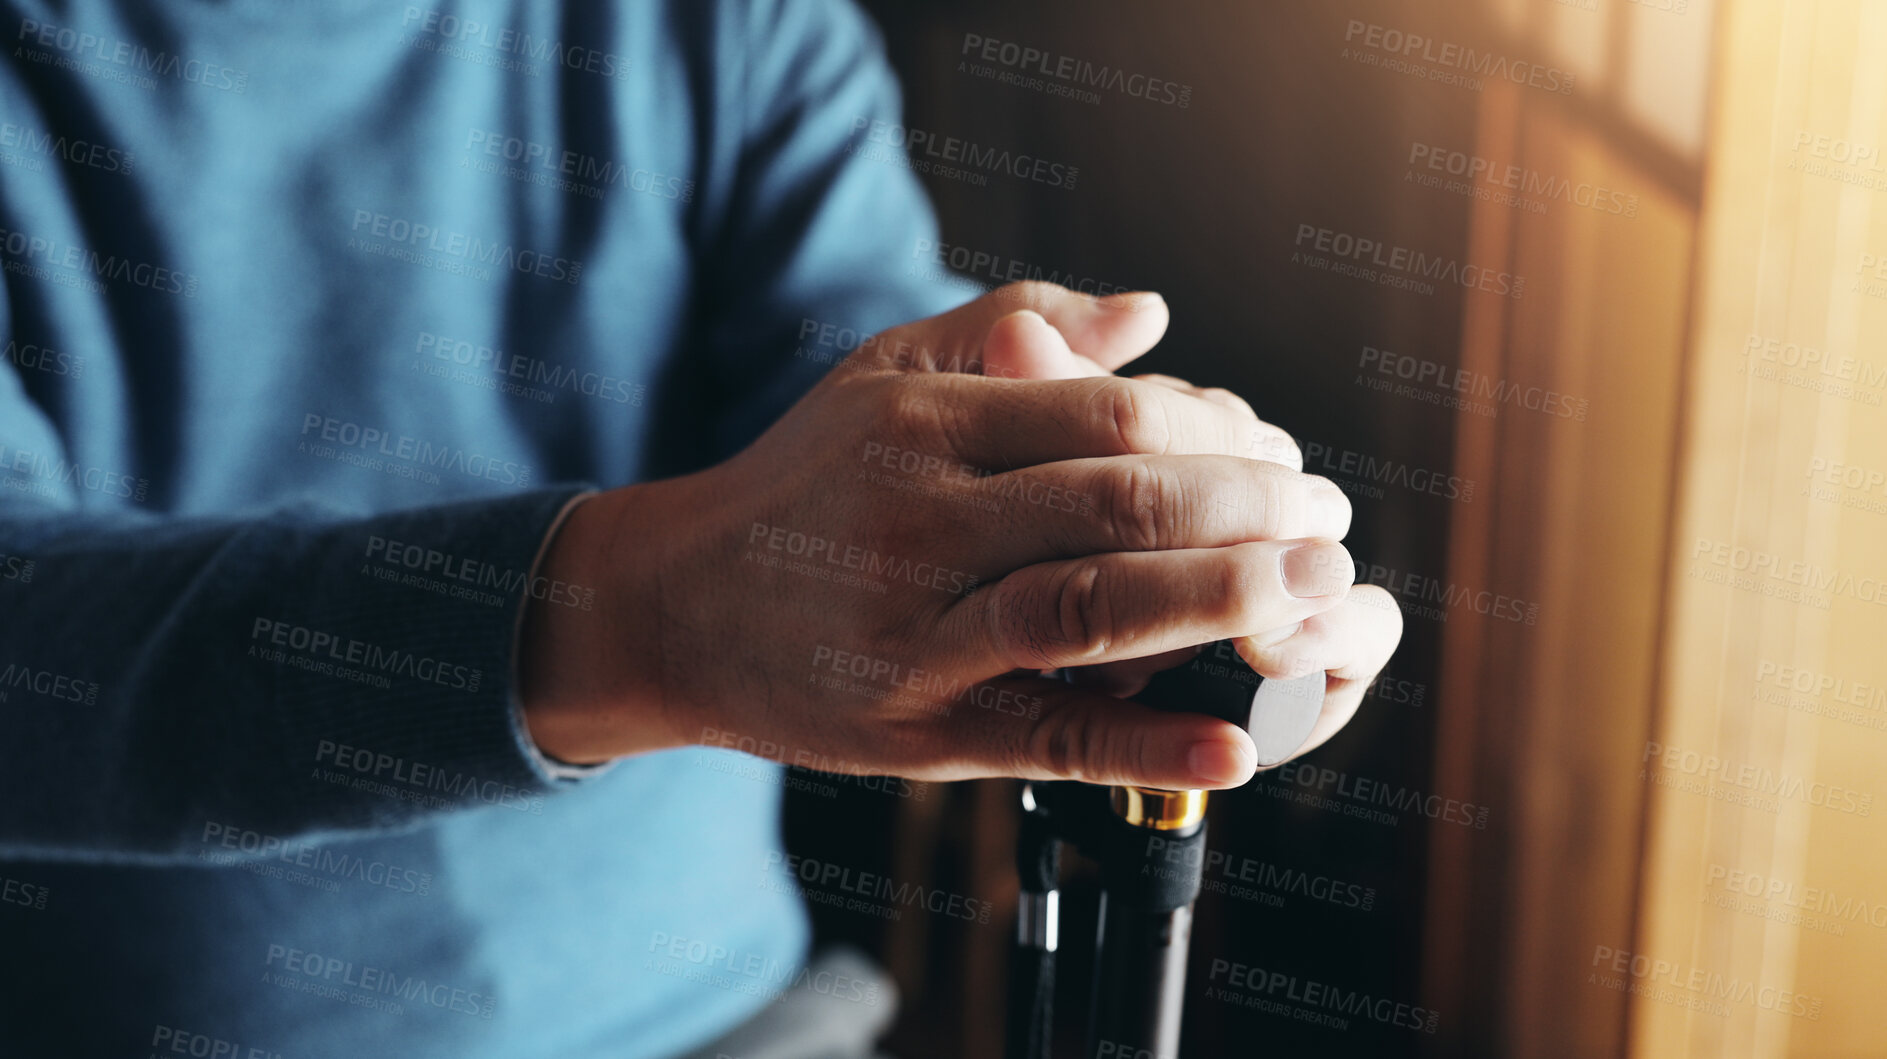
[1200,203]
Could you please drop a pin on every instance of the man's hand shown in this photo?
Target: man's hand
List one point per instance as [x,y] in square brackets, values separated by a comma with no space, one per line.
[877,583]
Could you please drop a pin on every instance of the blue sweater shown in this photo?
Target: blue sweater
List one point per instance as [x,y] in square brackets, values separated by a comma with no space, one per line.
[317,315]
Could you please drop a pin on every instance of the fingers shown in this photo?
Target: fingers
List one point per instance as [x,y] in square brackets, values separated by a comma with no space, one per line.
[1103,608]
[1023,345]
[1350,642]
[1128,676]
[1271,443]
[1110,331]
[1047,729]
[1002,424]
[1147,503]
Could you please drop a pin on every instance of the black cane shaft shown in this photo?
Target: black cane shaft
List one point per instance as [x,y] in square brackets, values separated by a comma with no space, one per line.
[1151,874]
[1140,981]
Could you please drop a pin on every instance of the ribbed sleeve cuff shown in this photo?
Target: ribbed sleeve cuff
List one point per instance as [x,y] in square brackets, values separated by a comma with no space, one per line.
[393,672]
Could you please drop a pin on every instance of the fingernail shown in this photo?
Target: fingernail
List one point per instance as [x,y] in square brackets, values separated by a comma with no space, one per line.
[1283,714]
[1132,300]
[1219,763]
[1317,568]
[1330,509]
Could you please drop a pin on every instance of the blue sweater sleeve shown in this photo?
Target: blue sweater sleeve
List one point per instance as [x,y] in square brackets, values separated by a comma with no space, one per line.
[818,215]
[317,669]
[309,669]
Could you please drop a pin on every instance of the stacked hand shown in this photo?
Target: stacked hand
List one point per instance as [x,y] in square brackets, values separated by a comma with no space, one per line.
[881,580]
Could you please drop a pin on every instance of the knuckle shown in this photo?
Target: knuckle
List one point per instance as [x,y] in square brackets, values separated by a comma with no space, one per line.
[903,401]
[1059,744]
[1229,399]
[1136,497]
[1135,419]
[1082,618]
[1049,622]
[1236,599]
[1074,743]
[1267,502]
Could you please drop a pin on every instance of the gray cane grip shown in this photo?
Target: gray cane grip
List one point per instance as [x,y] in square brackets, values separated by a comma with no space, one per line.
[1279,714]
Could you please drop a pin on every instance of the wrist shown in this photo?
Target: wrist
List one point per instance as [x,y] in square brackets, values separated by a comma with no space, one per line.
[589,680]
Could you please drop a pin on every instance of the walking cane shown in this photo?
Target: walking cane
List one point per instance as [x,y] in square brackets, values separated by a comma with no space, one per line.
[1150,845]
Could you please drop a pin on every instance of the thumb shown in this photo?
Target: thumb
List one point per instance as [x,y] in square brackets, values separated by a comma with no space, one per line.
[1110,331]
[1023,345]
[1116,330]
